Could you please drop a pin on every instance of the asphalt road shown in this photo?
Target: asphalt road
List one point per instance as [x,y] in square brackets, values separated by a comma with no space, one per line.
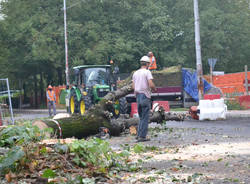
[217,151]
[31,114]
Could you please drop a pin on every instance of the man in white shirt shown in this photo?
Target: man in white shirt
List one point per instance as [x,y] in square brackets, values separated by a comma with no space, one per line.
[142,83]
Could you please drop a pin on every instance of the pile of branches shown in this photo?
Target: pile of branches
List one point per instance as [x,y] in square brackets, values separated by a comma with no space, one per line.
[27,158]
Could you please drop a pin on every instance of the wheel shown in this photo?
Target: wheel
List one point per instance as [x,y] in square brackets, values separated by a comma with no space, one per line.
[116,111]
[73,103]
[123,105]
[85,104]
[120,107]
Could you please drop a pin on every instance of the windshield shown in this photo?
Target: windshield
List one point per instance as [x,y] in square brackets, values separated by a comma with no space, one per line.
[93,76]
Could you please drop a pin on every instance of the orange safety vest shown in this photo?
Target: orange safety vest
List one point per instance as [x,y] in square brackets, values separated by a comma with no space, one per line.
[152,65]
[51,95]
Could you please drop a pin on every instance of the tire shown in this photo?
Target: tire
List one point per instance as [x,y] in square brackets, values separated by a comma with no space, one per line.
[116,109]
[123,105]
[73,103]
[120,107]
[85,104]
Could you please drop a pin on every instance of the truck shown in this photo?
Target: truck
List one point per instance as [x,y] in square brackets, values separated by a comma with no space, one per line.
[175,84]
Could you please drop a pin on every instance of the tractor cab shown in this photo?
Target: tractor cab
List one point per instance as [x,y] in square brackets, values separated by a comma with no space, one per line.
[90,84]
[95,81]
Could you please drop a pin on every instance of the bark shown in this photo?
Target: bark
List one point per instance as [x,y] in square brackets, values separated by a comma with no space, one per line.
[36,91]
[42,96]
[100,115]
[83,126]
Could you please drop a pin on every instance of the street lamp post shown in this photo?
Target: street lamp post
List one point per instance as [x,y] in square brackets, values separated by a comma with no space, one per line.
[66,44]
[198,50]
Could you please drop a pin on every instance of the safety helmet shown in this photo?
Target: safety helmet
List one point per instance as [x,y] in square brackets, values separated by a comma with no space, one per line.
[49,87]
[145,59]
[150,54]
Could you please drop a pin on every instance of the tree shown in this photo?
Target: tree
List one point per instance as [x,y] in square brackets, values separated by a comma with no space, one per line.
[32,36]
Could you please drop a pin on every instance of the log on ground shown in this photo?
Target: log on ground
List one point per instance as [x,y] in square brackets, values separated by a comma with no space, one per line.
[84,126]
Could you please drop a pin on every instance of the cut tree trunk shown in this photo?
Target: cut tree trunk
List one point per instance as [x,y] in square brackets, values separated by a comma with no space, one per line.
[100,115]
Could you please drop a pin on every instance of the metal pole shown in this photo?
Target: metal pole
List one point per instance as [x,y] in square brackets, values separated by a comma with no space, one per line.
[211,75]
[246,80]
[198,50]
[10,104]
[66,43]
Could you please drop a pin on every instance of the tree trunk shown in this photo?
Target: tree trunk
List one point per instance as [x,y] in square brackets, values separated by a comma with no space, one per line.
[36,91]
[42,96]
[100,115]
[60,78]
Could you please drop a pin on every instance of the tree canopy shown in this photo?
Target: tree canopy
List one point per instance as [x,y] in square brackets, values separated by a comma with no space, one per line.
[32,36]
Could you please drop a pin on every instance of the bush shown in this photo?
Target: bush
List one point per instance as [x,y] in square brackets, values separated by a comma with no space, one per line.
[234,105]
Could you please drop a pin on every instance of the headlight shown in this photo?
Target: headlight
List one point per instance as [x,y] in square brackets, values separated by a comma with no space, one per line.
[101,90]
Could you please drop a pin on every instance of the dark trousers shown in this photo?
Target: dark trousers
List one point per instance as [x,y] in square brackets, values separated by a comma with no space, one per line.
[143,107]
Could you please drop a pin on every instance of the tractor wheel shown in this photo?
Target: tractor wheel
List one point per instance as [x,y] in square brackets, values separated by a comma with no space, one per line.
[123,105]
[120,107]
[116,109]
[85,104]
[73,103]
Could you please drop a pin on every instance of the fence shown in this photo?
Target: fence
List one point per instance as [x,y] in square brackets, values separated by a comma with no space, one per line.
[231,84]
[234,86]
[6,112]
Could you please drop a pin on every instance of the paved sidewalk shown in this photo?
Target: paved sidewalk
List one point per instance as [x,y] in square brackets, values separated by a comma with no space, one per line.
[231,113]
[238,114]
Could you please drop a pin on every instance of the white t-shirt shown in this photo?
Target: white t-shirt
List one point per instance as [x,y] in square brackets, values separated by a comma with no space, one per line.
[140,79]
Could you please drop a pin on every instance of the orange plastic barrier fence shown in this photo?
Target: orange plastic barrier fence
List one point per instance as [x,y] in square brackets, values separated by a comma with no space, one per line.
[230,83]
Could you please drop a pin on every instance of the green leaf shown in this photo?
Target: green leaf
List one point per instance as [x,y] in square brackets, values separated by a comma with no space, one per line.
[61,148]
[219,160]
[88,181]
[11,157]
[124,153]
[139,148]
[48,173]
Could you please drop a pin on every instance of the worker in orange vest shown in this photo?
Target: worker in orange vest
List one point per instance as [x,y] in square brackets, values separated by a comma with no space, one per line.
[51,96]
[152,60]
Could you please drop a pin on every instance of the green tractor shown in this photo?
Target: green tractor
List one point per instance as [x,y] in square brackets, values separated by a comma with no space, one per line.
[91,84]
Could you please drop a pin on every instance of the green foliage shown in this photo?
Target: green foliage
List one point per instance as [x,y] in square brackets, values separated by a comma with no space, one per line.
[95,152]
[8,162]
[16,138]
[139,148]
[21,134]
[61,148]
[234,105]
[16,94]
[48,173]
[32,36]
[79,180]
[150,179]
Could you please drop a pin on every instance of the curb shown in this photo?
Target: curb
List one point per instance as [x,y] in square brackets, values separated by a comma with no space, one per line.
[238,114]
[229,114]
